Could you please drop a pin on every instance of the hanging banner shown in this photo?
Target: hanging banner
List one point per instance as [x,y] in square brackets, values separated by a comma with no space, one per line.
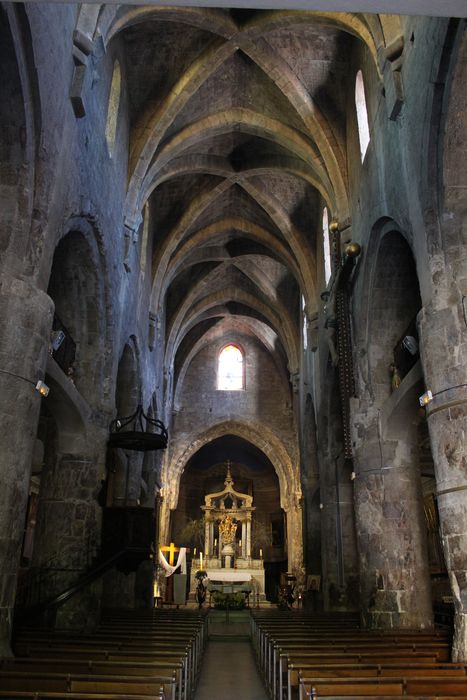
[181,563]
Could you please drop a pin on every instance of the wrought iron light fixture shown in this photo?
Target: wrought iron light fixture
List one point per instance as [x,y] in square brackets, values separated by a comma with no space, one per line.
[42,388]
[129,433]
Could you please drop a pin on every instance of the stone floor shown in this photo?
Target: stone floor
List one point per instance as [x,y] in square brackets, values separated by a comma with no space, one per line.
[229,626]
[229,672]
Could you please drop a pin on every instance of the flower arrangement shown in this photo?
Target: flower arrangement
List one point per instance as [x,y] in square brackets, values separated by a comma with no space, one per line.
[201,577]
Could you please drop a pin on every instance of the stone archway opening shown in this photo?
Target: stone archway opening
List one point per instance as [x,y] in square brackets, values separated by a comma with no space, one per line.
[388,489]
[253,474]
[78,330]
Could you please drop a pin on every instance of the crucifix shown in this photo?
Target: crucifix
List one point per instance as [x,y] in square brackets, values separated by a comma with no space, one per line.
[171,549]
[169,590]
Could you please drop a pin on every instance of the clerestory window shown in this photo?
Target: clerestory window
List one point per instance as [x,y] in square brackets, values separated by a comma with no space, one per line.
[305,324]
[112,108]
[231,369]
[362,114]
[326,246]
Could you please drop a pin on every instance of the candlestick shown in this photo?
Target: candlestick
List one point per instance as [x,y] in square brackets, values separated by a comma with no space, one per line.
[260,553]
[201,561]
[194,552]
[240,544]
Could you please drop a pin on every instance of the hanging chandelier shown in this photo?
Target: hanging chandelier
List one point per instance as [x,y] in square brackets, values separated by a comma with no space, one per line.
[129,433]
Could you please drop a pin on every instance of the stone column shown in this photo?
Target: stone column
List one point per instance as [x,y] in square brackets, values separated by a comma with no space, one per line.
[339,549]
[164,519]
[391,533]
[207,544]
[444,361]
[294,535]
[26,314]
[248,537]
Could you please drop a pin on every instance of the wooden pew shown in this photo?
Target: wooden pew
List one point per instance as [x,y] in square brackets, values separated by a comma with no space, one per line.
[294,664]
[402,669]
[157,686]
[290,654]
[142,655]
[427,687]
[11,694]
[288,643]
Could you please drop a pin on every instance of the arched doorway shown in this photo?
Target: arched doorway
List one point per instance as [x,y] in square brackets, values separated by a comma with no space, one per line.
[253,474]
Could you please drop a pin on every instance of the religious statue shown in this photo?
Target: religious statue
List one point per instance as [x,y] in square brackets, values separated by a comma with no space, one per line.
[395,377]
[228,529]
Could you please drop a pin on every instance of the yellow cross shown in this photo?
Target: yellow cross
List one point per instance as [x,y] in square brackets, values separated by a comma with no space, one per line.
[172,549]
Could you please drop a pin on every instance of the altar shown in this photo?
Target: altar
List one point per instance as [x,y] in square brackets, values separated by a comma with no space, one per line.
[231,577]
[227,558]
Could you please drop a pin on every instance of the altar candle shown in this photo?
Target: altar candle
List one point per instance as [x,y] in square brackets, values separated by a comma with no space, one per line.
[201,561]
[260,553]
[215,543]
[194,552]
[240,544]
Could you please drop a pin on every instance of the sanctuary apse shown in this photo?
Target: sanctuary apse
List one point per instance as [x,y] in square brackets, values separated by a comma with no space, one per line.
[292,184]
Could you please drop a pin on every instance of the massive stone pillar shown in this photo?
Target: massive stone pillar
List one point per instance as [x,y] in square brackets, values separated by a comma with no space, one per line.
[339,550]
[445,366]
[391,535]
[26,314]
[294,535]
[67,538]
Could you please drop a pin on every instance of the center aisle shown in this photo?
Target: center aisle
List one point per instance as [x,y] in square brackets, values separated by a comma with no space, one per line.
[229,672]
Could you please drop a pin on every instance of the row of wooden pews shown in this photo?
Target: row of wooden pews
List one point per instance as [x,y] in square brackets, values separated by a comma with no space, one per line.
[134,655]
[327,655]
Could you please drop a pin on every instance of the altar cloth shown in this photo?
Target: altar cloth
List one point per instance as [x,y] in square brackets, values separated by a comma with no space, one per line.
[229,576]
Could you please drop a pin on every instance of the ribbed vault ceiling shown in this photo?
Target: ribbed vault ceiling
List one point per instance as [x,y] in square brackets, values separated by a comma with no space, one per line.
[238,140]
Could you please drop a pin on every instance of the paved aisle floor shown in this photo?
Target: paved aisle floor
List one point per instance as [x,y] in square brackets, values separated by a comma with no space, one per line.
[229,673]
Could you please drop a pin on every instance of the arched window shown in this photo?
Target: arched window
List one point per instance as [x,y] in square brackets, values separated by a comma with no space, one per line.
[362,114]
[326,246]
[112,108]
[143,256]
[305,324]
[231,371]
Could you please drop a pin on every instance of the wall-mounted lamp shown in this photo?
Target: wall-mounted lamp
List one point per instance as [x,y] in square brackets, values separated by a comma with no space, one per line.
[425,398]
[42,388]
[352,476]
[410,344]
[56,339]
[321,506]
